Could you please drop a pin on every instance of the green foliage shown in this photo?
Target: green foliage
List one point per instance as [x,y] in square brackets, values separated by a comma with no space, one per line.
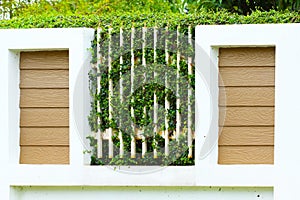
[127,20]
[172,160]
[99,7]
[26,8]
[142,97]
[12,7]
[244,7]
[247,6]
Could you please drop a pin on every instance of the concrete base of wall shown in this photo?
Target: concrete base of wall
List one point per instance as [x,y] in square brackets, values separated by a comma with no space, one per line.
[145,193]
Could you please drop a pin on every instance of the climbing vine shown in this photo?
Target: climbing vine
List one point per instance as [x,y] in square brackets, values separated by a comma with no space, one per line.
[155,63]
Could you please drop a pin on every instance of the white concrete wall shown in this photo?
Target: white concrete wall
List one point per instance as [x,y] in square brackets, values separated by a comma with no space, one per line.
[229,182]
[284,174]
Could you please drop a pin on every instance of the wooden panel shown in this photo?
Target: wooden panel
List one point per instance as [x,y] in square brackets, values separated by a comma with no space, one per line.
[44,136]
[246,136]
[246,105]
[44,155]
[44,117]
[247,56]
[246,96]
[247,76]
[44,102]
[247,116]
[44,98]
[44,79]
[246,155]
[44,60]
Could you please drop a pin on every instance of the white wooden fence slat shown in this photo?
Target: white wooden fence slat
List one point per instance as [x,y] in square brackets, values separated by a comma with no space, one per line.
[155,97]
[110,94]
[121,95]
[133,142]
[144,142]
[178,116]
[99,135]
[167,103]
[190,72]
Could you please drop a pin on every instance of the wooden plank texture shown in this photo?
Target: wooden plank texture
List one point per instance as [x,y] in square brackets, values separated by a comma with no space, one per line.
[246,155]
[44,79]
[45,117]
[44,155]
[44,98]
[247,56]
[246,105]
[246,96]
[247,76]
[246,136]
[44,136]
[44,60]
[44,102]
[247,116]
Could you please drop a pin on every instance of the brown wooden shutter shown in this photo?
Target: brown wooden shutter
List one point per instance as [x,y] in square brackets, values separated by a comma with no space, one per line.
[247,97]
[44,107]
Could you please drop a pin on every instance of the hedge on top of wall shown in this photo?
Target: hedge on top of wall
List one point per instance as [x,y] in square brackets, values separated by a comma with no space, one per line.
[149,19]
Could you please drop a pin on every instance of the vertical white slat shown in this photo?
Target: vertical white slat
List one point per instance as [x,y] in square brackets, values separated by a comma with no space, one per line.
[178,116]
[121,95]
[167,103]
[133,142]
[110,94]
[144,142]
[155,97]
[190,72]
[99,134]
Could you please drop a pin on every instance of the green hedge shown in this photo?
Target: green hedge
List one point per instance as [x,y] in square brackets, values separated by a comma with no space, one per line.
[148,19]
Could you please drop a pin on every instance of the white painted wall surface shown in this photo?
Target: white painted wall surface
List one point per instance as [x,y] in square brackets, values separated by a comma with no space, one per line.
[236,181]
[141,193]
[285,37]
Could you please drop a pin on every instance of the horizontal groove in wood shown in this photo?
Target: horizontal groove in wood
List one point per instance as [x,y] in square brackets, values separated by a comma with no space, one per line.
[44,60]
[246,96]
[44,136]
[44,79]
[45,126]
[44,155]
[246,136]
[246,116]
[245,106]
[44,98]
[241,76]
[246,155]
[44,117]
[248,86]
[248,126]
[247,56]
[226,67]
[24,108]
